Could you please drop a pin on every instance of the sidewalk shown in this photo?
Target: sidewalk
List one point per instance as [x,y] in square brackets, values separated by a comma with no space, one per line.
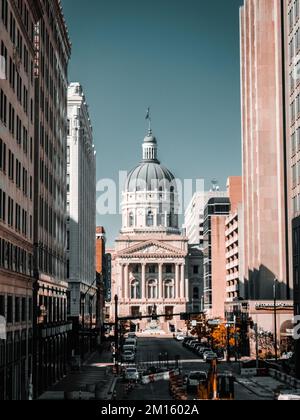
[94,378]
[263,387]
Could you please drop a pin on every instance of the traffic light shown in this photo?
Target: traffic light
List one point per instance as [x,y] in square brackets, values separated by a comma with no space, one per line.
[185,316]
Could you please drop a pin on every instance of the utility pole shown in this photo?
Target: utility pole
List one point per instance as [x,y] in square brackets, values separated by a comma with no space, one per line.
[117,333]
[275,318]
[256,345]
[235,339]
[228,342]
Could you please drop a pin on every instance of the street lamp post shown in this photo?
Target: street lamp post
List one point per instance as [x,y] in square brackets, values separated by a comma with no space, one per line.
[116,333]
[275,318]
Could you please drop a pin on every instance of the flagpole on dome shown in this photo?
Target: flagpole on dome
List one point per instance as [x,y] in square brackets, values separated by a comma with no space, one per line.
[148,117]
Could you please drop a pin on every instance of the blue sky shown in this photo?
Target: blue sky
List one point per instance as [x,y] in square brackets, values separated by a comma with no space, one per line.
[181,57]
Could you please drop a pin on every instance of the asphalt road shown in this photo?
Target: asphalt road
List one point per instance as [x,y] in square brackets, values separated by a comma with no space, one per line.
[152,350]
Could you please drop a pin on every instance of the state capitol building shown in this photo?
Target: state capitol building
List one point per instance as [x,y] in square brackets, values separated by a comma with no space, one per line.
[153,267]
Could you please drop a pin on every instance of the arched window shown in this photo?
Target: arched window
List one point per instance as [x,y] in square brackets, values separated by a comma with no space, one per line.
[195,293]
[169,289]
[135,289]
[152,289]
[150,219]
[131,219]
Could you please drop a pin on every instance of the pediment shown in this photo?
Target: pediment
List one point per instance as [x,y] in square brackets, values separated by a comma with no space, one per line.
[152,249]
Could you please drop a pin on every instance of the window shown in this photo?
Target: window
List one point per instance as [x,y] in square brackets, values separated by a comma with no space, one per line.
[150,219]
[169,269]
[4,12]
[3,107]
[196,269]
[196,293]
[131,219]
[135,289]
[2,156]
[9,309]
[152,269]
[152,289]
[169,289]
[17,309]
[2,305]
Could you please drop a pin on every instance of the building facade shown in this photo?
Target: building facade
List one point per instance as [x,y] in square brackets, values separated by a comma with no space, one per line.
[215,214]
[291,50]
[270,85]
[234,242]
[17,22]
[81,219]
[150,262]
[265,196]
[51,327]
[194,216]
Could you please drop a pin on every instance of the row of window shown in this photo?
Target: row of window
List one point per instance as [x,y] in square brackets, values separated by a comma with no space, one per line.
[169,220]
[293,14]
[16,309]
[15,217]
[152,289]
[8,114]
[16,172]
[15,259]
[53,309]
[21,51]
[51,263]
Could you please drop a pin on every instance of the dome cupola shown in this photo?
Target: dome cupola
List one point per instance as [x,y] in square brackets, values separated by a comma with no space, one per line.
[150,198]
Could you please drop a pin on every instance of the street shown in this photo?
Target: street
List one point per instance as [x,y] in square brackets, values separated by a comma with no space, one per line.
[164,350]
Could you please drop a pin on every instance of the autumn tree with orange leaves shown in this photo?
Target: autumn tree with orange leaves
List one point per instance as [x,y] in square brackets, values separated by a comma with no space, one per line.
[220,336]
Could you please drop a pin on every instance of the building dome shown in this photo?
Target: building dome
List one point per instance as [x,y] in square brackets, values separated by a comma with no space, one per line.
[150,199]
[149,176]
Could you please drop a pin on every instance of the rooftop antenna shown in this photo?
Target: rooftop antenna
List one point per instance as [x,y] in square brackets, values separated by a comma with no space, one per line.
[215,185]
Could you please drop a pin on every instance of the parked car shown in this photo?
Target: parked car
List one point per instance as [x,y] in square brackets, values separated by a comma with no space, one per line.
[180,337]
[203,350]
[197,347]
[131,336]
[128,356]
[131,342]
[191,343]
[195,378]
[194,344]
[128,347]
[186,341]
[131,374]
[209,356]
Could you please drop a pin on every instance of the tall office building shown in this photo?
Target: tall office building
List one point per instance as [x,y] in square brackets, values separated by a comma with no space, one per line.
[291,51]
[235,288]
[17,23]
[270,43]
[215,214]
[264,150]
[81,217]
[194,215]
[51,329]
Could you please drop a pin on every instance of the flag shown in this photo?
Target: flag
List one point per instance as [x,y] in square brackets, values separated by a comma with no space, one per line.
[148,114]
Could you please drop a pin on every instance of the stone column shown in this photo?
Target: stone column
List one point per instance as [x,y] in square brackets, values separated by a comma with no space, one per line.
[143,285]
[182,282]
[187,291]
[160,281]
[126,279]
[122,283]
[177,282]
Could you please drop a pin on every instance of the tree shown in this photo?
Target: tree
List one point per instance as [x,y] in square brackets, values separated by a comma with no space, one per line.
[220,336]
[202,330]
